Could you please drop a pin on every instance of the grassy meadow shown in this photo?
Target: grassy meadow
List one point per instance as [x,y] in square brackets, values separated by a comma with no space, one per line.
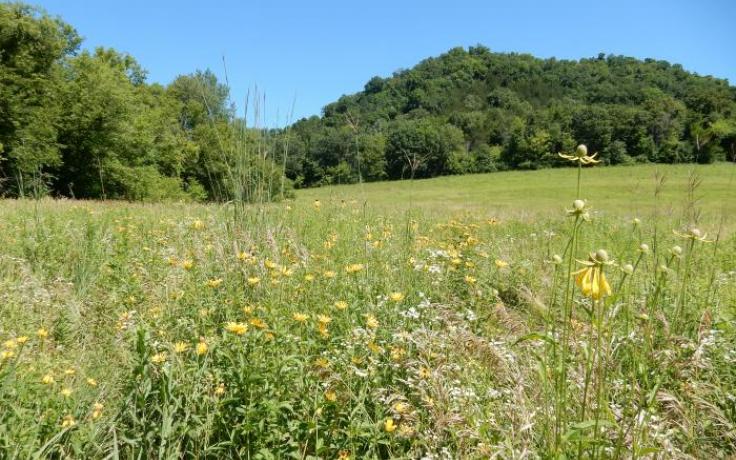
[482,316]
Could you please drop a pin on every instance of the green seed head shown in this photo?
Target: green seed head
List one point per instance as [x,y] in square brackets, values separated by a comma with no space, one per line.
[644,248]
[676,250]
[628,269]
[578,205]
[581,151]
[601,255]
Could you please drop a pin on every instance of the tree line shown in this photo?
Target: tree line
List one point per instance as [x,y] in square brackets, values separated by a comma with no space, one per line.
[87,124]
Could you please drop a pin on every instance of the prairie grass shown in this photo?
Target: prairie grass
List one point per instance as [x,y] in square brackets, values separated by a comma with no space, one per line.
[424,319]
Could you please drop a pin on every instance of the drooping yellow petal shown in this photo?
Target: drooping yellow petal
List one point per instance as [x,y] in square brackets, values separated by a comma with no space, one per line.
[605,287]
[595,289]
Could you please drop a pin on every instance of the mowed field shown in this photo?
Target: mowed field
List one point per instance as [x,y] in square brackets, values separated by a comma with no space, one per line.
[483,316]
[622,190]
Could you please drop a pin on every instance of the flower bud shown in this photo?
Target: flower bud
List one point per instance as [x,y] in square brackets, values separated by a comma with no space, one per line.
[557,259]
[696,232]
[578,205]
[581,151]
[636,222]
[601,255]
[628,269]
[644,248]
[676,251]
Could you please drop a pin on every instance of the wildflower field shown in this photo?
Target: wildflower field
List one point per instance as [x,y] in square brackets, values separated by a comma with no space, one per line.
[572,313]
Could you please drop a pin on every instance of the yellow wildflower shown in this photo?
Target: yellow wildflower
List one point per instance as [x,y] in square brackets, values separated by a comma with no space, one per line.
[341,305]
[68,421]
[501,263]
[42,333]
[97,410]
[591,279]
[396,297]
[371,322]
[158,358]
[331,396]
[48,379]
[202,347]
[258,323]
[253,280]
[354,268]
[181,347]
[389,425]
[214,283]
[91,382]
[300,317]
[236,328]
[581,156]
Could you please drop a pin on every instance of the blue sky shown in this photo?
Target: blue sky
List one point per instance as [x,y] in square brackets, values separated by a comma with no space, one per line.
[308,53]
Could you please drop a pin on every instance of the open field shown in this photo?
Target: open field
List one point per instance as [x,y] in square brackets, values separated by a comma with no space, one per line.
[622,190]
[445,318]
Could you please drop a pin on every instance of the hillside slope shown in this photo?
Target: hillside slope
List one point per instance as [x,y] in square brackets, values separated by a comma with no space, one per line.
[477,111]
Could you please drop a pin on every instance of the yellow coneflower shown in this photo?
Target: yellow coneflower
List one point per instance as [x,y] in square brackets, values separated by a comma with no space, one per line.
[401,408]
[42,333]
[48,379]
[253,280]
[97,410]
[66,392]
[300,317]
[158,358]
[322,362]
[10,344]
[375,348]
[331,396]
[389,426]
[308,277]
[317,204]
[181,347]
[198,225]
[220,389]
[214,283]
[91,382]
[341,305]
[591,279]
[68,421]
[396,297]
[329,274]
[470,280]
[202,347]
[324,319]
[694,234]
[236,328]
[21,340]
[581,156]
[371,322]
[6,354]
[187,264]
[343,455]
[257,323]
[501,263]
[354,268]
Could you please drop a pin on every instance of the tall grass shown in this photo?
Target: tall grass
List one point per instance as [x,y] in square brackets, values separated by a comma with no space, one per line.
[335,329]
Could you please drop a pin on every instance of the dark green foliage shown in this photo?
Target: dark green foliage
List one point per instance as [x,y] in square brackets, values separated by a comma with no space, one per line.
[476,111]
[87,125]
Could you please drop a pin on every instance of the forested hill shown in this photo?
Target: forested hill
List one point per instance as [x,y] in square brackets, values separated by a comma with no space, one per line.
[475,110]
